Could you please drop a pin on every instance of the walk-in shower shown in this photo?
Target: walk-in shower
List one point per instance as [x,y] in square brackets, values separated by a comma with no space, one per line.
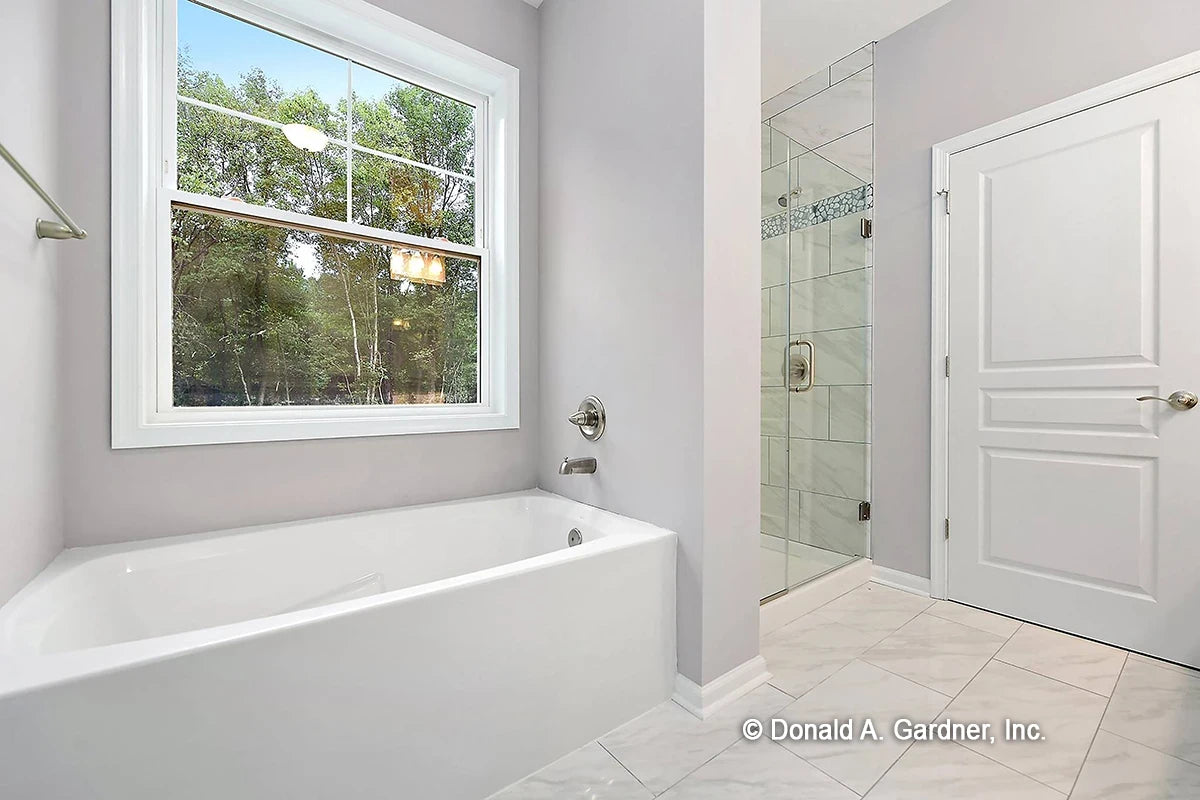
[818,156]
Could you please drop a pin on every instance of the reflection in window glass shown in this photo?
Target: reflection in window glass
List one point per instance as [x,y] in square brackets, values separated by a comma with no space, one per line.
[265,315]
[400,197]
[233,64]
[404,120]
[223,156]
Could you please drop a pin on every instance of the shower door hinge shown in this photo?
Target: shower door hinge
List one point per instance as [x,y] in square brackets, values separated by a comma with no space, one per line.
[947,528]
[946,194]
[947,366]
[864,511]
[865,227]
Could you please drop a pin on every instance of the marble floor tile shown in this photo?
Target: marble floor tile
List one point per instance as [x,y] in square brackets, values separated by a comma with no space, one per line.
[666,743]
[1067,658]
[950,772]
[758,771]
[1157,707]
[804,653]
[876,608]
[589,773]
[935,652]
[974,618]
[1118,769]
[859,692]
[1069,718]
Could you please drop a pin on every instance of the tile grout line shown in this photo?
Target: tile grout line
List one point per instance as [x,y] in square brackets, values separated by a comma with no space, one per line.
[1058,680]
[1095,733]
[1187,761]
[622,765]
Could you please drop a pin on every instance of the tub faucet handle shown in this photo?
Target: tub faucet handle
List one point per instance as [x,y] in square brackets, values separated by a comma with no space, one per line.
[584,417]
[589,418]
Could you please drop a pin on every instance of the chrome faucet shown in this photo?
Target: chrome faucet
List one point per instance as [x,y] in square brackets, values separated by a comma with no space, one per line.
[577,466]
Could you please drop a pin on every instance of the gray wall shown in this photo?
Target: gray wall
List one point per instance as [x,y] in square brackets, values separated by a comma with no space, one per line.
[134,494]
[624,305]
[32,390]
[968,64]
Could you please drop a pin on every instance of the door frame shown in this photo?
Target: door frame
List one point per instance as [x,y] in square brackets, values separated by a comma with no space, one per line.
[939,497]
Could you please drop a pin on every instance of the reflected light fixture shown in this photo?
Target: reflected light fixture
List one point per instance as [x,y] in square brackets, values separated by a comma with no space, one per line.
[306,137]
[417,267]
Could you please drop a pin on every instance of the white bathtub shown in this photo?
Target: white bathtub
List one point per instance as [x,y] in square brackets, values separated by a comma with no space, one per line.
[434,652]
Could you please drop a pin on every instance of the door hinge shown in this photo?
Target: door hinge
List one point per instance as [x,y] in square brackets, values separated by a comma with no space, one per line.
[947,366]
[947,527]
[864,511]
[866,227]
[946,194]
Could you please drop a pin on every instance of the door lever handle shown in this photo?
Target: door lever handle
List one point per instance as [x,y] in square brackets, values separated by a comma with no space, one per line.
[1180,401]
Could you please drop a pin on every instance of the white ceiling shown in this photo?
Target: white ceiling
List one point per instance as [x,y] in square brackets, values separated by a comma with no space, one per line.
[801,36]
[534,3]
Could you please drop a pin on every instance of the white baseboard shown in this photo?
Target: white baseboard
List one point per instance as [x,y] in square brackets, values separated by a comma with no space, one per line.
[799,601]
[702,701]
[900,580]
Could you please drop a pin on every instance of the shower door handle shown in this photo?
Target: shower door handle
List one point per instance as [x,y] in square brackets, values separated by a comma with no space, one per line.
[802,368]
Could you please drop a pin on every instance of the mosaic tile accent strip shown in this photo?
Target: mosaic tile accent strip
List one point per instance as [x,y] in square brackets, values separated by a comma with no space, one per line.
[830,208]
[774,226]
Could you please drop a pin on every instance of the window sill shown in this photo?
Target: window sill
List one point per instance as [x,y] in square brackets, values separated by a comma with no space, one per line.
[198,426]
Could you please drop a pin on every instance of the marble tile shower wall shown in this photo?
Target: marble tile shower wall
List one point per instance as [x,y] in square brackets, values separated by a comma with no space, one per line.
[818,157]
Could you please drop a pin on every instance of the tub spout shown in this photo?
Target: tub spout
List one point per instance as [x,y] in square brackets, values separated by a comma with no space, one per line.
[577,466]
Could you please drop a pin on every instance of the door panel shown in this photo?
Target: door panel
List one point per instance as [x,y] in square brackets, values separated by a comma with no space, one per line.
[1073,286]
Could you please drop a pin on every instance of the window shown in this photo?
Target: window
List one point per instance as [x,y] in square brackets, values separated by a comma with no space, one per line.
[314,225]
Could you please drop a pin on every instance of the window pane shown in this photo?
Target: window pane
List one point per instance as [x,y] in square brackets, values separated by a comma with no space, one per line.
[396,117]
[406,199]
[233,64]
[271,316]
[224,156]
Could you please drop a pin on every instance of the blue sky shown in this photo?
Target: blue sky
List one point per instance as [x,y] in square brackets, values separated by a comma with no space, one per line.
[229,47]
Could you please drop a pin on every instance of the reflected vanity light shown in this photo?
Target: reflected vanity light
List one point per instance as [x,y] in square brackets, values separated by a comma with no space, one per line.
[306,137]
[418,267]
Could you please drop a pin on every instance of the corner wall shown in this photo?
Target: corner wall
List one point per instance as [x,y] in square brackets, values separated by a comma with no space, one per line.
[29,289]
[649,295]
[968,64]
[121,495]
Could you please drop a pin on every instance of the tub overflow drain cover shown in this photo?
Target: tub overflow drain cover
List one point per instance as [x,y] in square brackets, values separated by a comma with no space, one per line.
[574,537]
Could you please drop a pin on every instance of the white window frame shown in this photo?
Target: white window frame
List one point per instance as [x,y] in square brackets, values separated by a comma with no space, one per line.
[143,187]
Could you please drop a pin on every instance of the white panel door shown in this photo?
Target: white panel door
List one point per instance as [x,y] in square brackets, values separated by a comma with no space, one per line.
[1074,289]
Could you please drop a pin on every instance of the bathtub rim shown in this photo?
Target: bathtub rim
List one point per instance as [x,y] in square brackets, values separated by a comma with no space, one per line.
[22,672]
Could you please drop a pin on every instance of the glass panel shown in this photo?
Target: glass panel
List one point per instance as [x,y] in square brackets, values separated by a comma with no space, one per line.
[264,315]
[396,117]
[234,64]
[774,521]
[400,197]
[223,156]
